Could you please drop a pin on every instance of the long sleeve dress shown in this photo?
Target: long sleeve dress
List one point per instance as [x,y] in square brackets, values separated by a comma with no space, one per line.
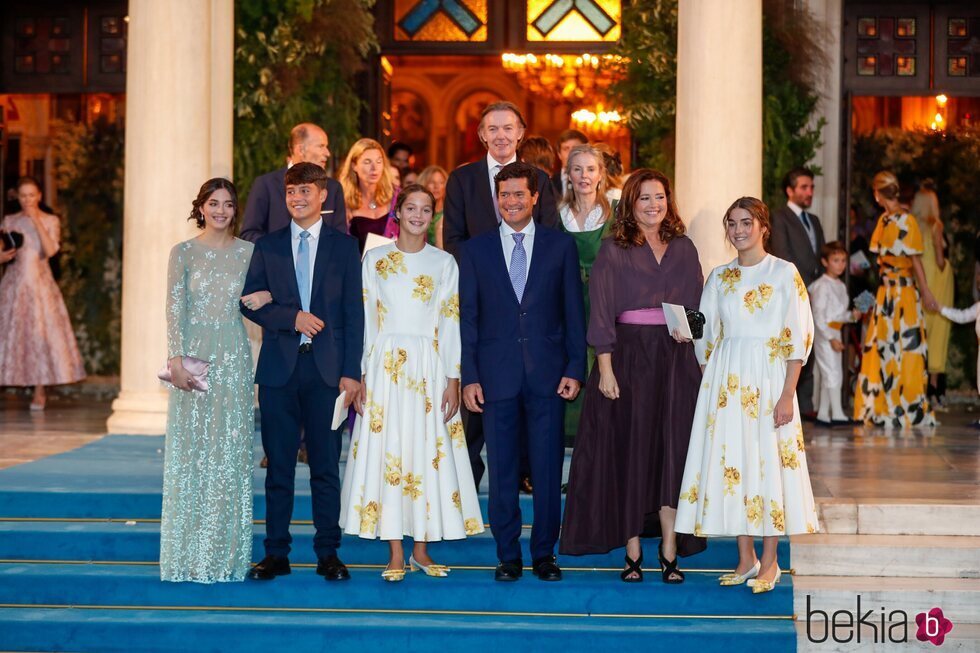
[206,522]
[891,387]
[37,344]
[408,472]
[744,476]
[630,452]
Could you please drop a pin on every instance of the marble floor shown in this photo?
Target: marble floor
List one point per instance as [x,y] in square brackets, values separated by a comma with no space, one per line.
[940,464]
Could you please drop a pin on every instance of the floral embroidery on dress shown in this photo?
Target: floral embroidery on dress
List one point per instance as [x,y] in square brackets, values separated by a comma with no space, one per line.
[457,501]
[393,367]
[799,438]
[472,526]
[412,485]
[393,470]
[732,383]
[781,346]
[800,286]
[450,307]
[457,434]
[722,398]
[754,510]
[776,513]
[369,516]
[440,454]
[787,454]
[382,312]
[732,478]
[691,496]
[423,287]
[376,415]
[756,299]
[729,278]
[750,401]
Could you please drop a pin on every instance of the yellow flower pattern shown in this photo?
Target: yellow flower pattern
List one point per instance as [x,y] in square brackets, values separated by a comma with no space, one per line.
[781,346]
[423,288]
[457,434]
[733,477]
[472,526]
[394,364]
[756,299]
[754,510]
[776,514]
[750,401]
[369,516]
[412,485]
[722,398]
[787,454]
[393,470]
[800,287]
[733,383]
[440,454]
[457,501]
[382,311]
[730,278]
[450,307]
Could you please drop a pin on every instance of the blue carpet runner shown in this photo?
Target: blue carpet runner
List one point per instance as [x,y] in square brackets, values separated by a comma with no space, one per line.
[79,540]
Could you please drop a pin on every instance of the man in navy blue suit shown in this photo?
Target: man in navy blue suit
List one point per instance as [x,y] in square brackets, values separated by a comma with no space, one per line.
[522,325]
[312,336]
[266,210]
[471,210]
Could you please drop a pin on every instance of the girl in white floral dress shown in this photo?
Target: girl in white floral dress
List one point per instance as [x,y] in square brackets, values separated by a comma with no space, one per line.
[408,472]
[746,472]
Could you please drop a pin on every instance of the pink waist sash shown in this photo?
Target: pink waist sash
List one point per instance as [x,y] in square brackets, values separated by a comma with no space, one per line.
[648,316]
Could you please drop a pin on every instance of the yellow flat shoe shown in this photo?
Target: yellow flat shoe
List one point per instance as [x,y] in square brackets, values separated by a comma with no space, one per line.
[729,580]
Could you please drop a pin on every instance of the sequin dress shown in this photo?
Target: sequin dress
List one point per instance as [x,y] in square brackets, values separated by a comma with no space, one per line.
[206,529]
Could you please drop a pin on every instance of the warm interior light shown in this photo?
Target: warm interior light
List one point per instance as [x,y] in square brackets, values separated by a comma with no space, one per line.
[941,100]
[939,118]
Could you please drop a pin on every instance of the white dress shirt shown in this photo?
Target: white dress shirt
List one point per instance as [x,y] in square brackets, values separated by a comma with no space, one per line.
[507,241]
[493,167]
[294,231]
[811,232]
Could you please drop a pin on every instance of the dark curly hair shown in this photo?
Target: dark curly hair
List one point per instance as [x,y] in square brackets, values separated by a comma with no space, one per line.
[203,195]
[625,231]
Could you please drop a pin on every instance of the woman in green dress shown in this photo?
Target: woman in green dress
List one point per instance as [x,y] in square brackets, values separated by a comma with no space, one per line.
[433,179]
[586,214]
[206,520]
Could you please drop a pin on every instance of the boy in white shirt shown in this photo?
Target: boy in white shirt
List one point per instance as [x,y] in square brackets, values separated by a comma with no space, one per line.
[963,316]
[829,301]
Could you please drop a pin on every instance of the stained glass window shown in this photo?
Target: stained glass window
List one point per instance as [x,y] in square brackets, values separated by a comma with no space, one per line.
[573,20]
[441,20]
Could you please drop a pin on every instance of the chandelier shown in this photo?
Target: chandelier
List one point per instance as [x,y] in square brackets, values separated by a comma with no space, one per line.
[598,120]
[573,78]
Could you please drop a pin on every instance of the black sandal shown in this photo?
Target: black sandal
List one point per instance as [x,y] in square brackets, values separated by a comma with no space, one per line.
[632,567]
[669,569]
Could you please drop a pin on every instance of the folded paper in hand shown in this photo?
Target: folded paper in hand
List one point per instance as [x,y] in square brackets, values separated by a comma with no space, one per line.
[676,317]
[374,240]
[339,411]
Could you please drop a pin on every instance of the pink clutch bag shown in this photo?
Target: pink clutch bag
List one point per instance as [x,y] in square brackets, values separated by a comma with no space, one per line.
[197,368]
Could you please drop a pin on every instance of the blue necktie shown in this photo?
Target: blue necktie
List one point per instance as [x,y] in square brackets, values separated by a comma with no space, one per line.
[303,273]
[518,266]
[809,230]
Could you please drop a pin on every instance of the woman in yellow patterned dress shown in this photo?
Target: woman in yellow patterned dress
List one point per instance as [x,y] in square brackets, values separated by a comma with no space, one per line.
[891,388]
[408,471]
[746,472]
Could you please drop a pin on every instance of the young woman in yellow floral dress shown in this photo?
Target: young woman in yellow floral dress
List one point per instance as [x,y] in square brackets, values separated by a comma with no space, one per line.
[746,472]
[408,472]
[891,388]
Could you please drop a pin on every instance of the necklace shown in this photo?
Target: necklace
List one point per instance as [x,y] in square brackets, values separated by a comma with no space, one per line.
[372,205]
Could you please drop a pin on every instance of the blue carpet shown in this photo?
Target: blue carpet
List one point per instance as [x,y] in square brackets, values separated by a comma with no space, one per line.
[93,585]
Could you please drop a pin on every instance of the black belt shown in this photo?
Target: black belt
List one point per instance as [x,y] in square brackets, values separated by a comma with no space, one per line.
[306,348]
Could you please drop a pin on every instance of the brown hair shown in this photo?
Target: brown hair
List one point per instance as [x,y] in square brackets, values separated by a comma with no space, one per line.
[570,198]
[886,185]
[517,170]
[408,190]
[28,180]
[348,176]
[306,173]
[625,231]
[429,172]
[572,135]
[537,151]
[833,247]
[758,210]
[207,190]
[298,134]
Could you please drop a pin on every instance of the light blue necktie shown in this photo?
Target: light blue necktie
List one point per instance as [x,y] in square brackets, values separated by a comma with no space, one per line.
[809,230]
[303,273]
[518,266]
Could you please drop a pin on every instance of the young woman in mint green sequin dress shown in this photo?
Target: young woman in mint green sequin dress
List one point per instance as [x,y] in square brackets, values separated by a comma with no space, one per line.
[206,525]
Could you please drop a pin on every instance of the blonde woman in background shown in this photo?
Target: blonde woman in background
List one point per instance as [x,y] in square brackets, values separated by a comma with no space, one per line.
[939,277]
[433,179]
[369,192]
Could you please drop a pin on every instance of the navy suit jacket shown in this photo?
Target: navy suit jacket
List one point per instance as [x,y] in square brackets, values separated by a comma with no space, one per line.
[538,340]
[468,210]
[266,209]
[790,242]
[336,299]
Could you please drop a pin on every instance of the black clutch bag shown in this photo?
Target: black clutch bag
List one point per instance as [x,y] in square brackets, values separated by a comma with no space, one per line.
[11,239]
[695,319]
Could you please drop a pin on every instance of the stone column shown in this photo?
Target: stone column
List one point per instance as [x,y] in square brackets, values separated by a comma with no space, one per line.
[178,134]
[719,117]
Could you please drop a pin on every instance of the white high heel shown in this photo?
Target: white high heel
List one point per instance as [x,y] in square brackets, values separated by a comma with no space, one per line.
[728,580]
[760,586]
[434,570]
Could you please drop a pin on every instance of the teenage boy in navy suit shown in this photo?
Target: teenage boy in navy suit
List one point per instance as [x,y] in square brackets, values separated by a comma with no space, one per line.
[522,325]
[312,337]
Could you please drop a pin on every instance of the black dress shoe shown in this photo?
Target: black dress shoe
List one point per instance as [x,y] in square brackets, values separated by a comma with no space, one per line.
[509,571]
[332,568]
[547,569]
[270,567]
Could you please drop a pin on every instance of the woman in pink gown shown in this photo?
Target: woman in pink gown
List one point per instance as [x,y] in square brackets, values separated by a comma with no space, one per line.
[37,344]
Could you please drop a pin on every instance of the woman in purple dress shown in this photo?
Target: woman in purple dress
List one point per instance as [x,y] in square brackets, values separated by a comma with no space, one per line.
[640,398]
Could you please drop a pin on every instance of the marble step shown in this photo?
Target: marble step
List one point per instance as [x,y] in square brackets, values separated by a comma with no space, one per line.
[906,517]
[940,556]
[959,598]
[964,638]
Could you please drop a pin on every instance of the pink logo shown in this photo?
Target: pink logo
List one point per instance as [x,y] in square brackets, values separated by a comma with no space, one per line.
[933,626]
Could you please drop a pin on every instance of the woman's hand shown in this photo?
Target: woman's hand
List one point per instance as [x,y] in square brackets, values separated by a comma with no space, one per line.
[7,255]
[257,300]
[608,385]
[929,302]
[450,399]
[678,337]
[180,377]
[361,399]
[782,414]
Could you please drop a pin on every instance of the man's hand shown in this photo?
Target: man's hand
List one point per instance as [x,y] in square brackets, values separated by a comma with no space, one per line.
[568,388]
[309,324]
[837,345]
[473,397]
[353,390]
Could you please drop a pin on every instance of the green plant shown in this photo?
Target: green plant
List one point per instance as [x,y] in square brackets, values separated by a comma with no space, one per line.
[296,61]
[89,176]
[791,56]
